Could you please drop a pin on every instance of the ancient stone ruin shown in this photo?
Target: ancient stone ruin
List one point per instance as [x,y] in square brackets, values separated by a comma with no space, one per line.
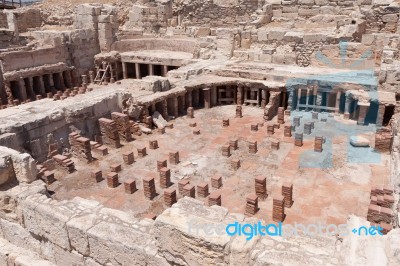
[151,132]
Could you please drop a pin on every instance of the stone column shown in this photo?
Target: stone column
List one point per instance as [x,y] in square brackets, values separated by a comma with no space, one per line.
[307,98]
[337,106]
[258,97]
[22,89]
[125,70]
[263,98]
[381,113]
[42,88]
[8,91]
[315,92]
[51,82]
[188,99]
[62,82]
[151,69]
[207,98]
[318,101]
[175,107]
[214,96]
[290,100]
[299,90]
[29,88]
[347,107]
[137,71]
[112,77]
[363,110]
[239,95]
[245,92]
[164,70]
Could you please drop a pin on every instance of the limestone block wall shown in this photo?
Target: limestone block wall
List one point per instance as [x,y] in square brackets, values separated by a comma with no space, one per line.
[56,118]
[395,151]
[28,19]
[101,21]
[16,60]
[76,232]
[178,45]
[72,48]
[82,45]
[150,17]
[216,12]
[306,8]
[22,164]
[83,232]
[382,18]
[3,20]
[6,169]
[86,16]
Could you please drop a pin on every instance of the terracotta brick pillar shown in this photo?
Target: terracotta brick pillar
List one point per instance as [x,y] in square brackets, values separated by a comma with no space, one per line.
[278,209]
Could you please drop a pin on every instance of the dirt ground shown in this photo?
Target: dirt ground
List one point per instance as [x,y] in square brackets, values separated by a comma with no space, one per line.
[327,195]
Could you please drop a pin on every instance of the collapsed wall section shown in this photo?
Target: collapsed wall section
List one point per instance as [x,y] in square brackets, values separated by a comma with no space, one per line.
[56,119]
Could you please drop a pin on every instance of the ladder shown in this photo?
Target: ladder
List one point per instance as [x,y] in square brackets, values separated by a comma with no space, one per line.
[103,73]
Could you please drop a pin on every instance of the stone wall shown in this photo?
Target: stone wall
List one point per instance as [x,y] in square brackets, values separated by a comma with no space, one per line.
[82,46]
[152,17]
[23,167]
[75,232]
[17,60]
[56,118]
[215,13]
[178,45]
[101,20]
[380,16]
[6,38]
[382,19]
[83,232]
[28,19]
[3,20]
[395,151]
[73,48]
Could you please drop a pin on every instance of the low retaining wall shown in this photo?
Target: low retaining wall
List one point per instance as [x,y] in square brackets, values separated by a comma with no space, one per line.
[83,232]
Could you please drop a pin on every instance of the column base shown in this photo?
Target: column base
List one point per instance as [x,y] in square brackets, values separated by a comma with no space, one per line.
[346,116]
